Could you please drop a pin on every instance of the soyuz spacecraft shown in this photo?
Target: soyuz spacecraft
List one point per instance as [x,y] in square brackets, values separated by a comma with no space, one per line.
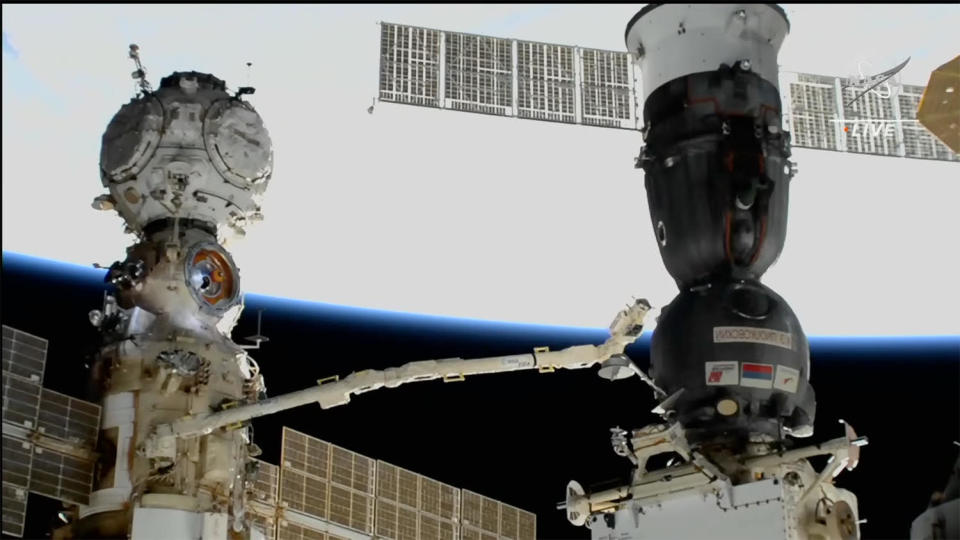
[186,166]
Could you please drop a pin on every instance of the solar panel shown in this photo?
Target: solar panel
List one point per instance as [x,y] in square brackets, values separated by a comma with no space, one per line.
[262,501]
[410,505]
[478,74]
[327,482]
[545,82]
[608,89]
[409,65]
[68,418]
[293,531]
[265,485]
[486,518]
[819,114]
[61,476]
[574,85]
[527,525]
[505,77]
[266,524]
[14,508]
[21,400]
[17,461]
[24,355]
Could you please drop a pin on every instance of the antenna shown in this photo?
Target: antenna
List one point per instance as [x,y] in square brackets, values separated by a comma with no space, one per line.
[257,338]
[243,90]
[141,73]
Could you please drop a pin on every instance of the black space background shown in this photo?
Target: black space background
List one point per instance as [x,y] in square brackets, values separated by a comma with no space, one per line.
[520,437]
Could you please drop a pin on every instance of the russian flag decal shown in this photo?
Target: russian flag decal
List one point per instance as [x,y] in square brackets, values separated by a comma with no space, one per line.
[756,375]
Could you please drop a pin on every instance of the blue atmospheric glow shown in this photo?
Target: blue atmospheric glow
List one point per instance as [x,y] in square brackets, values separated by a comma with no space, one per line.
[876,344]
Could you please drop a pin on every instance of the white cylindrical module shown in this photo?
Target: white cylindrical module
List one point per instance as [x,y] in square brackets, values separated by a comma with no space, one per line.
[185,166]
[674,40]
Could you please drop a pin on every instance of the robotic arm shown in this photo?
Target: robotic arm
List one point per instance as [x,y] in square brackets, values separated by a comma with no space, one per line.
[332,392]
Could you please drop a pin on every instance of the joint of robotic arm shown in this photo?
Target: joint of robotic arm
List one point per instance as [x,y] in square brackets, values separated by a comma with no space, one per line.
[577,357]
[628,324]
[621,445]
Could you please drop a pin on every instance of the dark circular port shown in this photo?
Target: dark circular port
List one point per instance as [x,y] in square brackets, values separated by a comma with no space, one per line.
[748,302]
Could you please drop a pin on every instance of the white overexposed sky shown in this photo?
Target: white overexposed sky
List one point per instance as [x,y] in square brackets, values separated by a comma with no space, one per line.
[449,213]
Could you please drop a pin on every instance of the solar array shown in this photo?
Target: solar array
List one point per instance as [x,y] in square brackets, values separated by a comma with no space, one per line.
[410,506]
[485,518]
[324,492]
[506,77]
[820,113]
[575,85]
[48,437]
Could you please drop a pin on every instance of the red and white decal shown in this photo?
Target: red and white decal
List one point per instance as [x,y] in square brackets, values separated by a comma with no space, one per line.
[757,375]
[787,379]
[723,373]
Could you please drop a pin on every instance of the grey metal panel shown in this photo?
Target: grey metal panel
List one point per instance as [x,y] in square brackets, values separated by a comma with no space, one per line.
[21,400]
[409,64]
[545,80]
[607,90]
[478,73]
[68,418]
[14,509]
[17,461]
[60,476]
[24,354]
